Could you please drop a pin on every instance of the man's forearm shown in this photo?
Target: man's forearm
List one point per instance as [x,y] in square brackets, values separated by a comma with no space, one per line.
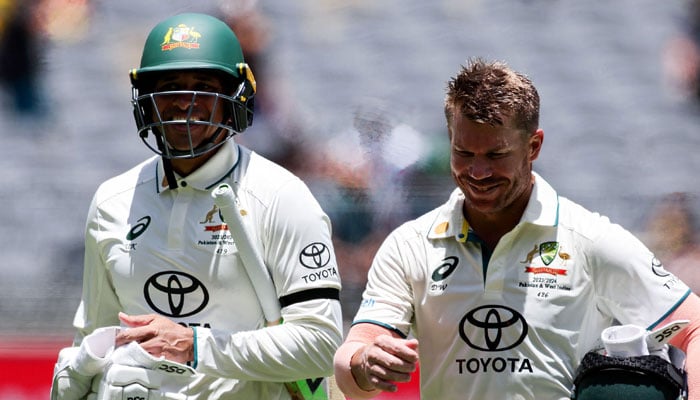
[688,340]
[343,372]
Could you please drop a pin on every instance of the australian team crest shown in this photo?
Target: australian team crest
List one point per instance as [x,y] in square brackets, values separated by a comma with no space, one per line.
[181,36]
[548,251]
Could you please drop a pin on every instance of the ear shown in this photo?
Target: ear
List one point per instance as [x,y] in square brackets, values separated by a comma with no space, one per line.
[535,144]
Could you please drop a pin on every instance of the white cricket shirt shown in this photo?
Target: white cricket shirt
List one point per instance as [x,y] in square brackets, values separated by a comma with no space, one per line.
[150,249]
[513,324]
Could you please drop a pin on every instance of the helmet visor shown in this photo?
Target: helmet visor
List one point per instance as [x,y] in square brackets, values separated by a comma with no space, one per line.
[185,124]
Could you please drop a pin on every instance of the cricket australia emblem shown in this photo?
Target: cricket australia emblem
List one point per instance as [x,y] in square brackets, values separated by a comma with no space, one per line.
[548,251]
[546,270]
[180,36]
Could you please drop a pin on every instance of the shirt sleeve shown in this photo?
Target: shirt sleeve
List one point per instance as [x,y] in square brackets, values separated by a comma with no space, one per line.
[294,235]
[388,297]
[302,347]
[297,243]
[631,284]
[99,305]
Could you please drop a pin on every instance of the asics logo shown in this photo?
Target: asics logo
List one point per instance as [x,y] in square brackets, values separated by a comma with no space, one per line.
[449,264]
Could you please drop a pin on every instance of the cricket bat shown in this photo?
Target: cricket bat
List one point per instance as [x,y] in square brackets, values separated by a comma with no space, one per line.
[225,198]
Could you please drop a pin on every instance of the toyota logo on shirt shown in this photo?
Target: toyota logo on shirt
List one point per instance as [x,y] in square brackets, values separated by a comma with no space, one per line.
[493,328]
[315,256]
[175,294]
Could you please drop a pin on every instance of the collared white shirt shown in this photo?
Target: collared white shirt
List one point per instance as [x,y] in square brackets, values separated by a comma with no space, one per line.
[513,324]
[150,249]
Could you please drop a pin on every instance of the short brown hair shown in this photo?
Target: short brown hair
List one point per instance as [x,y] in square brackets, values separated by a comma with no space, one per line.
[491,93]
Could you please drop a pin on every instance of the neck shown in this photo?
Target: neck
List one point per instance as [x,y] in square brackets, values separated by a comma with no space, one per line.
[185,166]
[492,226]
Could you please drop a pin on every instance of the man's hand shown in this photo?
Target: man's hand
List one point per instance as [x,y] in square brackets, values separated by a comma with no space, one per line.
[159,336]
[384,361]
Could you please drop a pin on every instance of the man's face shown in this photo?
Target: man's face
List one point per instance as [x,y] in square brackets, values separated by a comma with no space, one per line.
[491,165]
[178,106]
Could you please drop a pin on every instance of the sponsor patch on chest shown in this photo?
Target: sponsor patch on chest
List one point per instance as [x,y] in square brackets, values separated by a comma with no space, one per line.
[214,233]
[546,269]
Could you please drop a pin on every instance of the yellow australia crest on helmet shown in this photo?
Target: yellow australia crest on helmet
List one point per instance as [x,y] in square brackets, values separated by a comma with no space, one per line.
[180,36]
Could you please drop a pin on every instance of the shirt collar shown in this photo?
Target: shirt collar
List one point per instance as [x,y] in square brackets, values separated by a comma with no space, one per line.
[215,170]
[542,209]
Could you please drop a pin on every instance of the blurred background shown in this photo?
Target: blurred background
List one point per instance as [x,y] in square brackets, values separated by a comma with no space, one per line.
[350,99]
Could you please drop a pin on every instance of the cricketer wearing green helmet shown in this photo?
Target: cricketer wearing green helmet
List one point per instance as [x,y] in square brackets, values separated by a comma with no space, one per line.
[196,43]
[185,285]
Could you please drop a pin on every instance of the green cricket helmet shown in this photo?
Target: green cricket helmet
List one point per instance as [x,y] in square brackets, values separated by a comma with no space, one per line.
[192,42]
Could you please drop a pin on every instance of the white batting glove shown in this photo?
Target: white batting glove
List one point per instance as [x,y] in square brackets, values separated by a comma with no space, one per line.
[95,351]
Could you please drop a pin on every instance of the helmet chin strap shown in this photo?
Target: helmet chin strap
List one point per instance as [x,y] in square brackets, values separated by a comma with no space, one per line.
[169,174]
[167,164]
